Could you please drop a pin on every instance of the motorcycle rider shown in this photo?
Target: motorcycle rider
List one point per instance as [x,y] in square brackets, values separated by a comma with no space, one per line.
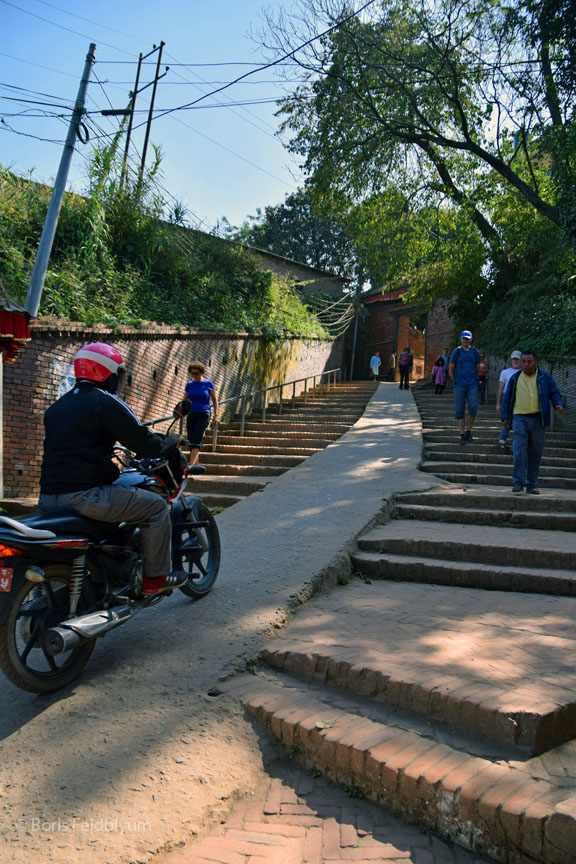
[81,428]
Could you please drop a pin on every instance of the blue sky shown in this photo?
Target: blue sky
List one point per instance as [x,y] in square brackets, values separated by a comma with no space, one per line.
[219,161]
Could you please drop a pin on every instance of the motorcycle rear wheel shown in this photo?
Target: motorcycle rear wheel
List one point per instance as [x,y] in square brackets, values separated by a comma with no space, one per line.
[36,607]
[198,553]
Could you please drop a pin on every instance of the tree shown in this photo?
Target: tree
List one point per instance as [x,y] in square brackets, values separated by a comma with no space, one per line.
[296,230]
[439,97]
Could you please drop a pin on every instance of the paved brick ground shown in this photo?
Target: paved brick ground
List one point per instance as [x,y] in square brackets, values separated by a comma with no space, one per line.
[302,819]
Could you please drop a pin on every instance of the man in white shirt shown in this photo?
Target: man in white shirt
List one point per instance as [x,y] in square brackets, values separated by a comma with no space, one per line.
[505,375]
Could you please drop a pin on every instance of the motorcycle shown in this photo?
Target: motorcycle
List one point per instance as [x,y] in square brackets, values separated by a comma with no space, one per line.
[66,580]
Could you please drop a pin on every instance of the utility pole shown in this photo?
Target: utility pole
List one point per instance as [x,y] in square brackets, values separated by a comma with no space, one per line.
[133,96]
[151,111]
[47,239]
[132,104]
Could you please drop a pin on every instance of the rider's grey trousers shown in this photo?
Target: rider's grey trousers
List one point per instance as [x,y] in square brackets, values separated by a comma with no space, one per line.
[134,506]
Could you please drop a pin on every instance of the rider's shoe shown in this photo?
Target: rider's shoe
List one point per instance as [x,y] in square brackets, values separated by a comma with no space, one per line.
[175,579]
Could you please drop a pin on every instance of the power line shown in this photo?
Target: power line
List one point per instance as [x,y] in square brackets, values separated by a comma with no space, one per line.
[273,62]
[61,26]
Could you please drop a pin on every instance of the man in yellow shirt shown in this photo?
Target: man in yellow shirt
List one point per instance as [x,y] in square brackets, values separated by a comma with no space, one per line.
[526,408]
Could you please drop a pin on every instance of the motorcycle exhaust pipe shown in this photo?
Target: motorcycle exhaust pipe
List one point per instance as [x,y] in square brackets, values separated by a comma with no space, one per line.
[71,634]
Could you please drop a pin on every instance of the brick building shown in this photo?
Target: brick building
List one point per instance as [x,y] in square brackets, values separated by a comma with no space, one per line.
[392,324]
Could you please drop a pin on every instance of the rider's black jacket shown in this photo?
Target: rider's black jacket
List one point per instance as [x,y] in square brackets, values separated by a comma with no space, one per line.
[81,429]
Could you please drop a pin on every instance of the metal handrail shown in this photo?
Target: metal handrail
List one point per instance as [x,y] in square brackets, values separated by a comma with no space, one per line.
[333,376]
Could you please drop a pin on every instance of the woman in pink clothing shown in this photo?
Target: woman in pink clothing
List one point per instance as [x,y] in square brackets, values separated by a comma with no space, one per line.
[439,376]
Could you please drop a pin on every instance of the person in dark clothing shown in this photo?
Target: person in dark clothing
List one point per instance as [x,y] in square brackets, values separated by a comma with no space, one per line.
[81,429]
[405,361]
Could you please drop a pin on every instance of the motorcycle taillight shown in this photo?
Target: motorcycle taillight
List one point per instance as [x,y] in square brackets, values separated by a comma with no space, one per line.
[8,552]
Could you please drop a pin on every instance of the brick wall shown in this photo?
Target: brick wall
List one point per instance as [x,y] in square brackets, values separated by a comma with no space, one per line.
[439,334]
[157,358]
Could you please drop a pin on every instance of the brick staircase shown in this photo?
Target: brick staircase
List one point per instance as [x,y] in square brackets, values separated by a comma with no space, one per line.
[446,689]
[244,464]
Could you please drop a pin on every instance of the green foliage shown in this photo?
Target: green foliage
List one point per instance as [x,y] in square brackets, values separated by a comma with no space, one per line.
[302,230]
[117,259]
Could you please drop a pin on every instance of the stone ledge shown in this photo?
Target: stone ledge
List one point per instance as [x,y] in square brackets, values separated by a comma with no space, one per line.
[486,807]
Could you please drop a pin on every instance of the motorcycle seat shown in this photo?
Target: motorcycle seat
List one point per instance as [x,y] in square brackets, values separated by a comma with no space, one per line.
[68,522]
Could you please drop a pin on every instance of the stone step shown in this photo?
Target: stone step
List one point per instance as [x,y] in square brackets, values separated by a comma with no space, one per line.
[220,499]
[246,470]
[464,467]
[464,574]
[314,439]
[257,449]
[291,426]
[500,479]
[504,719]
[470,454]
[485,806]
[246,459]
[450,435]
[316,417]
[477,544]
[233,484]
[548,520]
[490,449]
[558,500]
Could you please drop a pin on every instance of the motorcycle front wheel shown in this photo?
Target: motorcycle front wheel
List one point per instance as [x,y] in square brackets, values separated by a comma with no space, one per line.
[36,608]
[197,552]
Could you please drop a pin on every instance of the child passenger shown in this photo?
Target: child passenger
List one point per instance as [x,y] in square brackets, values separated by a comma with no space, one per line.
[439,376]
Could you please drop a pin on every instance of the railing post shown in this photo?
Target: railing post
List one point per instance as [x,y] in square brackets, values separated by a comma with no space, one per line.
[322,384]
[305,388]
[281,390]
[242,416]
[214,436]
[293,393]
[264,406]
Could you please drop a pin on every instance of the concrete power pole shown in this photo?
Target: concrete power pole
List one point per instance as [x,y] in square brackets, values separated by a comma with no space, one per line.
[47,239]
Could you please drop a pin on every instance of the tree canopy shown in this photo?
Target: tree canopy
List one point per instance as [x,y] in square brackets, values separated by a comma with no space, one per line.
[445,131]
[437,94]
[296,230]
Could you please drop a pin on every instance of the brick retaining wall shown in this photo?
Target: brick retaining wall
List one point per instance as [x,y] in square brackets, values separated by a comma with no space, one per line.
[157,358]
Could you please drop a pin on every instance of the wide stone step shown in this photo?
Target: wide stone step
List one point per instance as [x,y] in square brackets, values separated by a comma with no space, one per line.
[273,461]
[221,499]
[444,654]
[557,500]
[287,438]
[470,454]
[232,484]
[257,449]
[495,479]
[471,467]
[490,450]
[416,695]
[477,516]
[246,470]
[464,574]
[474,543]
[482,805]
[315,417]
[292,426]
[486,437]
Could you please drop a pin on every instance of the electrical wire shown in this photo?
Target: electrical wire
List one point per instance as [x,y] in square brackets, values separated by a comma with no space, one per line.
[273,63]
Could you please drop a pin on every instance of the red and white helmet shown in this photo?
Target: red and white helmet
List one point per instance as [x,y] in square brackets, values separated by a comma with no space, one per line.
[96,362]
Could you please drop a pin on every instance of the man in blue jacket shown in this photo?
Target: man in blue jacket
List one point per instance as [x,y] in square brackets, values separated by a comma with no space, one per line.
[526,409]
